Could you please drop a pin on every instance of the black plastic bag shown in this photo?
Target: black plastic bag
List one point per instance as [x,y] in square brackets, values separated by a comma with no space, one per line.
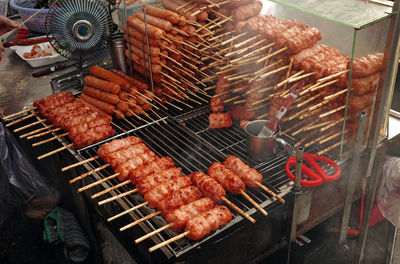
[22,187]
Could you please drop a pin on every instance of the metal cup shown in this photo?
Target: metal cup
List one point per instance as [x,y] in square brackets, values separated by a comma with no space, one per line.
[117,50]
[262,148]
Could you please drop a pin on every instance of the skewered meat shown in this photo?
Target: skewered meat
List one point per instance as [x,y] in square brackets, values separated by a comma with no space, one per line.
[50,102]
[208,221]
[368,65]
[246,11]
[180,197]
[185,212]
[220,120]
[160,192]
[149,182]
[210,187]
[230,181]
[93,135]
[117,157]
[125,167]
[81,128]
[361,86]
[154,167]
[116,145]
[248,175]
[217,104]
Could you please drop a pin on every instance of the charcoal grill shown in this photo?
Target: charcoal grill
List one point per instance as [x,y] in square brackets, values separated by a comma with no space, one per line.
[184,136]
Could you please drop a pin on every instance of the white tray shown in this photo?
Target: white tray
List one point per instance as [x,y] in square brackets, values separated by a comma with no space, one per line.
[38,62]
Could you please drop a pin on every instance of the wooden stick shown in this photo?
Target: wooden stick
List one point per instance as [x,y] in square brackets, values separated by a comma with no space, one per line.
[44,133]
[88,173]
[140,239]
[331,125]
[180,109]
[236,46]
[282,83]
[180,101]
[272,54]
[113,176]
[323,85]
[29,125]
[335,94]
[240,211]
[233,38]
[301,77]
[312,98]
[331,147]
[304,139]
[182,6]
[139,220]
[318,125]
[79,163]
[270,192]
[309,113]
[256,205]
[117,197]
[37,130]
[110,189]
[288,73]
[54,151]
[166,242]
[20,119]
[316,140]
[169,77]
[127,211]
[302,129]
[293,127]
[18,113]
[29,18]
[180,31]
[332,111]
[50,139]
[232,99]
[330,77]
[326,139]
[273,72]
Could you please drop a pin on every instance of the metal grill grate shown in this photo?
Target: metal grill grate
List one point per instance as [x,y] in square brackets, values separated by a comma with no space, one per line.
[189,152]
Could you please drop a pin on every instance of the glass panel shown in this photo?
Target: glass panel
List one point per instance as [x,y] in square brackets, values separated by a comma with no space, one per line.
[353,13]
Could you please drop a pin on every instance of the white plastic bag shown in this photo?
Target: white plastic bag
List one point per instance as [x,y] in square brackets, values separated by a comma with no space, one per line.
[388,198]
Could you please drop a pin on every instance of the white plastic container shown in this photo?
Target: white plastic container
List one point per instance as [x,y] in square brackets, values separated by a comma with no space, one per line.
[38,62]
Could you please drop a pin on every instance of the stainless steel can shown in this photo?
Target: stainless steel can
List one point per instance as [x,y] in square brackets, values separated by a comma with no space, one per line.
[117,49]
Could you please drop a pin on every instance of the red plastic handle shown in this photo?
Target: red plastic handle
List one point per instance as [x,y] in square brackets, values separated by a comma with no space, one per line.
[316,174]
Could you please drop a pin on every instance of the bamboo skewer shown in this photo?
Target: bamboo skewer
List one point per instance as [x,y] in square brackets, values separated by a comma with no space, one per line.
[79,163]
[18,113]
[335,94]
[331,147]
[323,85]
[88,173]
[166,242]
[256,205]
[302,129]
[270,192]
[110,189]
[312,98]
[316,140]
[118,196]
[332,111]
[331,125]
[140,239]
[44,133]
[304,139]
[139,221]
[272,54]
[251,219]
[54,151]
[35,131]
[50,139]
[326,139]
[301,77]
[127,211]
[293,127]
[113,176]
[330,77]
[20,120]
[29,125]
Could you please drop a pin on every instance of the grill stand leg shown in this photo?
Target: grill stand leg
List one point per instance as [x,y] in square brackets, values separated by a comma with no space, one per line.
[361,118]
[296,191]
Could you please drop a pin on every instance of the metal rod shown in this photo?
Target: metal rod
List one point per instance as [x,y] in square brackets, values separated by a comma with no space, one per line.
[362,120]
[296,190]
[148,51]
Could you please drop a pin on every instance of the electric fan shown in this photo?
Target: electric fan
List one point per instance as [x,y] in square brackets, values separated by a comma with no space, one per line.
[79,29]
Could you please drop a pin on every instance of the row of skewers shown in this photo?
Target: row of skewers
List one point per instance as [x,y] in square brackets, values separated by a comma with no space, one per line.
[186,202]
